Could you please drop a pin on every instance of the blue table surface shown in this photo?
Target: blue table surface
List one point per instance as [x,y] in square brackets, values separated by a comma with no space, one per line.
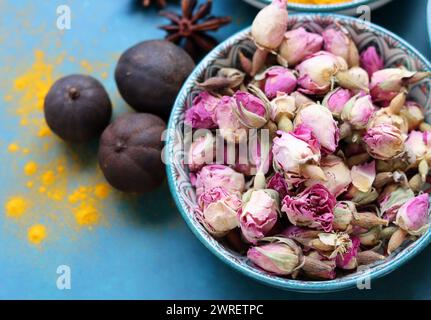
[146,251]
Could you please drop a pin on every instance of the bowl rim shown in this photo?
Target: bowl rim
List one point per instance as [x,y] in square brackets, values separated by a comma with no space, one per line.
[321,7]
[279,282]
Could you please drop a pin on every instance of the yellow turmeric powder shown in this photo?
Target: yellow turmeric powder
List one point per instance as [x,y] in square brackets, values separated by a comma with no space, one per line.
[36,233]
[60,196]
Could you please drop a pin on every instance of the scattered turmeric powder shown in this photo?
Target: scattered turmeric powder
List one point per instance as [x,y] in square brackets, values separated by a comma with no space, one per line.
[30,168]
[16,206]
[53,170]
[36,233]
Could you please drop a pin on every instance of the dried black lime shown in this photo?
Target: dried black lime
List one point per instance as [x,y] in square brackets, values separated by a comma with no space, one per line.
[130,152]
[77,108]
[150,74]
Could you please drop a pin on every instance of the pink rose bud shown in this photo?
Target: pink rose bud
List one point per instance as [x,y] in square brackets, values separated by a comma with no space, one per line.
[259,158]
[391,200]
[270,25]
[384,142]
[363,176]
[279,184]
[316,73]
[347,261]
[250,110]
[358,111]
[312,208]
[218,210]
[371,61]
[293,150]
[231,129]
[201,152]
[340,44]
[414,114]
[336,100]
[259,214]
[386,84]
[283,106]
[417,146]
[217,175]
[322,124]
[414,216]
[337,174]
[299,44]
[279,80]
[281,257]
[385,116]
[201,115]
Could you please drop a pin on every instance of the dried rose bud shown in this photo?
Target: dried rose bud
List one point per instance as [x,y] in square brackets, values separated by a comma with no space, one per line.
[343,215]
[201,115]
[280,256]
[414,114]
[336,100]
[348,260]
[299,44]
[385,116]
[355,79]
[338,177]
[316,73]
[392,198]
[363,176]
[201,152]
[283,109]
[322,124]
[301,100]
[396,240]
[339,43]
[384,142]
[218,210]
[313,208]
[371,60]
[387,83]
[358,111]
[369,257]
[270,25]
[368,220]
[231,129]
[279,184]
[361,198]
[317,269]
[371,237]
[217,175]
[226,80]
[250,110]
[279,80]
[414,215]
[418,145]
[293,151]
[258,214]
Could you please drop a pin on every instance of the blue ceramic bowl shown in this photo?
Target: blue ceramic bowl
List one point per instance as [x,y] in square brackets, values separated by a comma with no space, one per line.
[429,19]
[345,8]
[395,51]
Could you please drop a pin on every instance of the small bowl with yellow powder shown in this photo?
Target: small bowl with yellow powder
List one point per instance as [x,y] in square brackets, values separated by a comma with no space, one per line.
[350,7]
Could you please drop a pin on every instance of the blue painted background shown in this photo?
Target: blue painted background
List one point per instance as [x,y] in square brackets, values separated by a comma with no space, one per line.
[146,252]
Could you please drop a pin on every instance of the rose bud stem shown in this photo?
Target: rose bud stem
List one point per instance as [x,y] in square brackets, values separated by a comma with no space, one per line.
[397,240]
[313,172]
[397,103]
[368,220]
[416,183]
[425,127]
[424,169]
[368,257]
[317,269]
[285,124]
[387,233]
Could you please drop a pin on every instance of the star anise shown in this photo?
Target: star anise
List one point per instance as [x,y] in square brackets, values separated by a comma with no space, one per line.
[160,3]
[189,29]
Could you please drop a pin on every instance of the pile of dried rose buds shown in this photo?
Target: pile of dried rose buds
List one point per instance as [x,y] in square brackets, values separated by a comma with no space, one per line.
[347,155]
